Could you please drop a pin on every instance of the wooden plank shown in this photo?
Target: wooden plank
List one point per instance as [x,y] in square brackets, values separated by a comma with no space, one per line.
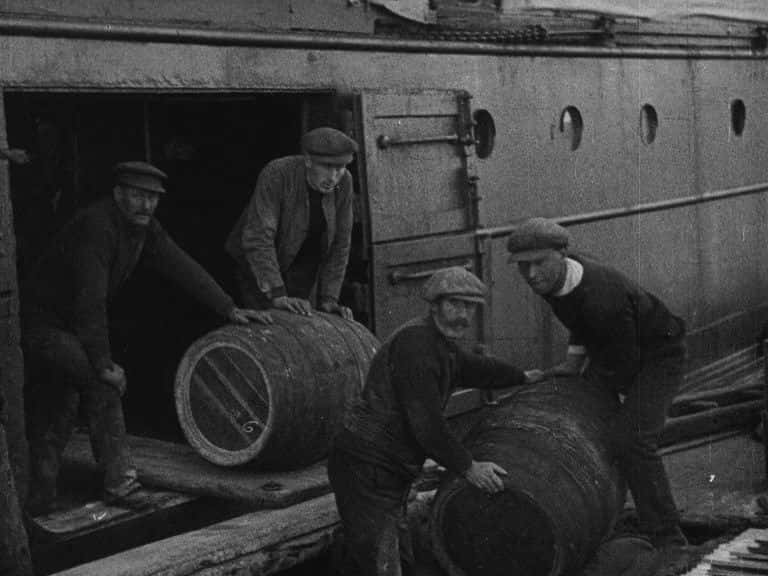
[263,542]
[742,415]
[747,387]
[178,467]
[95,515]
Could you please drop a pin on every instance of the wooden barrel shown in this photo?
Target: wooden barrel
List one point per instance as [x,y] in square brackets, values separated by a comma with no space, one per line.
[271,395]
[562,494]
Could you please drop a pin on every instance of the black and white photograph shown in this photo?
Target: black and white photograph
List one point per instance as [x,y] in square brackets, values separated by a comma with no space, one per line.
[383,288]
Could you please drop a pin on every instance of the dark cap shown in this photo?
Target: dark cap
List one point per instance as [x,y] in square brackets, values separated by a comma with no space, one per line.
[140,175]
[455,282]
[534,238]
[331,144]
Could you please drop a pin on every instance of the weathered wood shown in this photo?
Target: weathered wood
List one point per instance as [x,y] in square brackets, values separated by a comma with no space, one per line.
[178,467]
[263,542]
[271,395]
[561,490]
[723,371]
[96,515]
[14,548]
[745,388]
[742,415]
[11,361]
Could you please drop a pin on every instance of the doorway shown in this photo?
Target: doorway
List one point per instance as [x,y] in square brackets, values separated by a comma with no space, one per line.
[213,147]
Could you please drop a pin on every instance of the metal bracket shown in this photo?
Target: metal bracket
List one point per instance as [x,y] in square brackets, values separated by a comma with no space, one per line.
[384,141]
[396,277]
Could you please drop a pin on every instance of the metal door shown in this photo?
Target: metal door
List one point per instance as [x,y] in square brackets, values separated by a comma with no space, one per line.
[419,187]
[419,153]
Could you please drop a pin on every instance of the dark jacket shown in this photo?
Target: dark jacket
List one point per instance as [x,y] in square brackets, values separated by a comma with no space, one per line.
[399,420]
[620,324]
[90,260]
[271,230]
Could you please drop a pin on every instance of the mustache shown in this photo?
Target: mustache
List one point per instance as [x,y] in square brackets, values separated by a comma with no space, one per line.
[460,323]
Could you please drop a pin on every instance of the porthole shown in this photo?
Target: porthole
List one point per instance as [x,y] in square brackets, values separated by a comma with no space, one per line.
[571,126]
[485,133]
[738,116]
[649,123]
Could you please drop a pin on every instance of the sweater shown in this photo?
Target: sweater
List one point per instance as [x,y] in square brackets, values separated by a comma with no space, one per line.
[620,324]
[90,260]
[399,420]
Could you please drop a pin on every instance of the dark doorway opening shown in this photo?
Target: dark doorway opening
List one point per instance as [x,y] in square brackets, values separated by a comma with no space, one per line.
[212,146]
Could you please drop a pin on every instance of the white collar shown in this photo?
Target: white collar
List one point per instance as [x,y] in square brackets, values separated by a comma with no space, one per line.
[573,274]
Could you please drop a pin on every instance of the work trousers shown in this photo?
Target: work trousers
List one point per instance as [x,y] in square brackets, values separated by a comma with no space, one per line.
[637,430]
[371,501]
[62,379]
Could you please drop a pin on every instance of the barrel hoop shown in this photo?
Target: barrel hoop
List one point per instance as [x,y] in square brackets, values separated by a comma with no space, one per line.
[206,448]
[354,344]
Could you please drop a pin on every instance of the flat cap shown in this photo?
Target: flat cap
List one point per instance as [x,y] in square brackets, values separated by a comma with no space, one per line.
[335,146]
[140,175]
[455,282]
[534,237]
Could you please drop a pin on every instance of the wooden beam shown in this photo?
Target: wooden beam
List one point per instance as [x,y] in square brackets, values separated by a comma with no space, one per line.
[263,542]
[178,467]
[742,415]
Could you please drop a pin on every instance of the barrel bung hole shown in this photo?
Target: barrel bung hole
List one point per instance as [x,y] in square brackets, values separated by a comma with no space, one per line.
[498,535]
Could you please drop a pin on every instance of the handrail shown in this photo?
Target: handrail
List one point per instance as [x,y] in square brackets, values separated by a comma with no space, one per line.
[646,208]
[47,28]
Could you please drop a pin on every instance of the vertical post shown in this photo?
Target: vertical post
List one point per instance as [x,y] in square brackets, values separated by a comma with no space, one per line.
[764,412]
[14,547]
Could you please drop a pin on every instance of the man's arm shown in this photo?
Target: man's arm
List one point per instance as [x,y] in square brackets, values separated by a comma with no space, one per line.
[480,371]
[335,265]
[574,363]
[257,238]
[173,263]
[415,376]
[91,263]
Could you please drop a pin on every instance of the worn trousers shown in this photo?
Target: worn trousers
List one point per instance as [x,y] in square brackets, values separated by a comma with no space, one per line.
[61,380]
[371,501]
[637,430]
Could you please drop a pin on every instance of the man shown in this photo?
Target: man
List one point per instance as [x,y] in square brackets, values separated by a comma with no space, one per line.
[292,241]
[398,422]
[623,337]
[67,335]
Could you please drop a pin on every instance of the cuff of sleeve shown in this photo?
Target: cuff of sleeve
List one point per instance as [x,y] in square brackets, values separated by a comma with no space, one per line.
[577,350]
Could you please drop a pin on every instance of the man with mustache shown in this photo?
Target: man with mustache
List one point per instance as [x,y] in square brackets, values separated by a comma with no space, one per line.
[399,421]
[292,241]
[66,329]
[627,340]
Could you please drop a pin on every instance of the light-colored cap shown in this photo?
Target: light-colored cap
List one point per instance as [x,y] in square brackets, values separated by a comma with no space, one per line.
[455,282]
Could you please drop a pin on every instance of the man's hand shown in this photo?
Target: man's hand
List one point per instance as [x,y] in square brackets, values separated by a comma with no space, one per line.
[334,308]
[16,156]
[246,315]
[295,305]
[486,475]
[114,375]
[573,365]
[534,376]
